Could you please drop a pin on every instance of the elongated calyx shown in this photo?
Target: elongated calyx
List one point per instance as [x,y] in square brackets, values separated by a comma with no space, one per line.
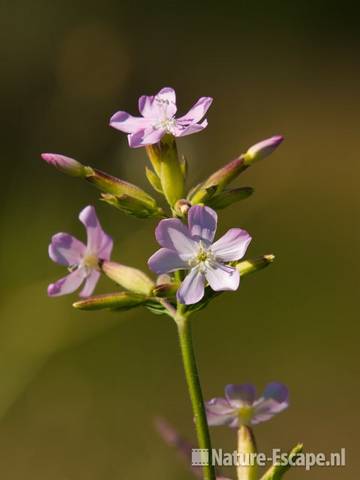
[129,278]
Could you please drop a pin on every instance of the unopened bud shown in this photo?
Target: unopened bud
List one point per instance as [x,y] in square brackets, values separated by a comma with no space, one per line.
[165,160]
[262,149]
[129,278]
[219,180]
[181,207]
[277,471]
[112,301]
[64,164]
[132,206]
[249,266]
[228,197]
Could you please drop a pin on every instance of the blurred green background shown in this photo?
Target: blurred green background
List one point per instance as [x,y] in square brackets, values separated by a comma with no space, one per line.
[79,391]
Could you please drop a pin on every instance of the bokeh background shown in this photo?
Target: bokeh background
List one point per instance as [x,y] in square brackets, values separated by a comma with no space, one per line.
[79,391]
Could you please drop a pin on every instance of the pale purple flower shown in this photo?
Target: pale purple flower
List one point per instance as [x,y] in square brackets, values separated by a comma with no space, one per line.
[82,260]
[158,118]
[191,248]
[240,406]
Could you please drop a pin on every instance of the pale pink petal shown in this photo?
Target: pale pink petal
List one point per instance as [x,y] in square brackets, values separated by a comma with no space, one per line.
[67,284]
[165,261]
[192,288]
[239,395]
[173,234]
[165,102]
[146,106]
[232,245]
[125,122]
[219,412]
[148,136]
[202,223]
[98,241]
[183,130]
[221,277]
[66,249]
[90,284]
[264,409]
[196,113]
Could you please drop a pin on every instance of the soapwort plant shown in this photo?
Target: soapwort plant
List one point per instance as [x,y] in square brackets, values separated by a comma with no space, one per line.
[190,269]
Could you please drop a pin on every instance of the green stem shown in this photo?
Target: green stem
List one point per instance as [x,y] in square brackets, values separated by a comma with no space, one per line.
[193,383]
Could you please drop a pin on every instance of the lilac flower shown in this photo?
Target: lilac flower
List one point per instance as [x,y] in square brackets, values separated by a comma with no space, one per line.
[239,407]
[158,118]
[82,261]
[192,248]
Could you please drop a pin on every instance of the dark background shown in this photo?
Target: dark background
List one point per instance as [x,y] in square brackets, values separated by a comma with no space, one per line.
[79,391]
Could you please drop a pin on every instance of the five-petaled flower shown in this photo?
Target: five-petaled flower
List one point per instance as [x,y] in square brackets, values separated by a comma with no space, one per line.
[158,118]
[81,260]
[240,406]
[192,248]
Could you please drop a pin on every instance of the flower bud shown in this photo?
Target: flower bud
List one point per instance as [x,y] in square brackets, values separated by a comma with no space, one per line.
[153,179]
[228,197]
[112,301]
[129,278]
[218,180]
[114,186]
[165,160]
[247,467]
[249,266]
[132,206]
[262,149]
[181,207]
[64,164]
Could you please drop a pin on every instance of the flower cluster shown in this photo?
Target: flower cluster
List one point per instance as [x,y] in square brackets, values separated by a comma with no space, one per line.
[191,267]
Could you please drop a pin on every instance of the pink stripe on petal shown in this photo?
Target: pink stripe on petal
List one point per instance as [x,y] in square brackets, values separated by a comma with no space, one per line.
[182,131]
[197,111]
[232,245]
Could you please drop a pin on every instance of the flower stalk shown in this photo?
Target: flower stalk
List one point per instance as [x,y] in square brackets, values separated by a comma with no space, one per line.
[194,387]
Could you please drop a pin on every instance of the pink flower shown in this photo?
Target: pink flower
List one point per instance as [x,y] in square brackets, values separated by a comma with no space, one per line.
[240,406]
[191,248]
[81,260]
[158,118]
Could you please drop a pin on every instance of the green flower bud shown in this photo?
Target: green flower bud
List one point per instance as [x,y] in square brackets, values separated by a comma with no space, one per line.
[129,278]
[250,266]
[165,160]
[64,164]
[276,472]
[132,206]
[262,149]
[228,197]
[112,301]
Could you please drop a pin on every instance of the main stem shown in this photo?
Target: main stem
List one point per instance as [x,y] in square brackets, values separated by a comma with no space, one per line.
[193,383]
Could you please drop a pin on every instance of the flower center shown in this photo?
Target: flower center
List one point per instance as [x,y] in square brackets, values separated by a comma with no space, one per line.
[203,257]
[90,262]
[245,414]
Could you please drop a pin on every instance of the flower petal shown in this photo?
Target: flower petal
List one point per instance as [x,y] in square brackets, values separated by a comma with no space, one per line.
[241,394]
[197,111]
[90,284]
[232,245]
[181,130]
[66,249]
[165,261]
[276,391]
[145,104]
[98,242]
[202,223]
[172,233]
[165,102]
[264,409]
[67,284]
[147,136]
[221,277]
[219,412]
[125,122]
[192,288]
